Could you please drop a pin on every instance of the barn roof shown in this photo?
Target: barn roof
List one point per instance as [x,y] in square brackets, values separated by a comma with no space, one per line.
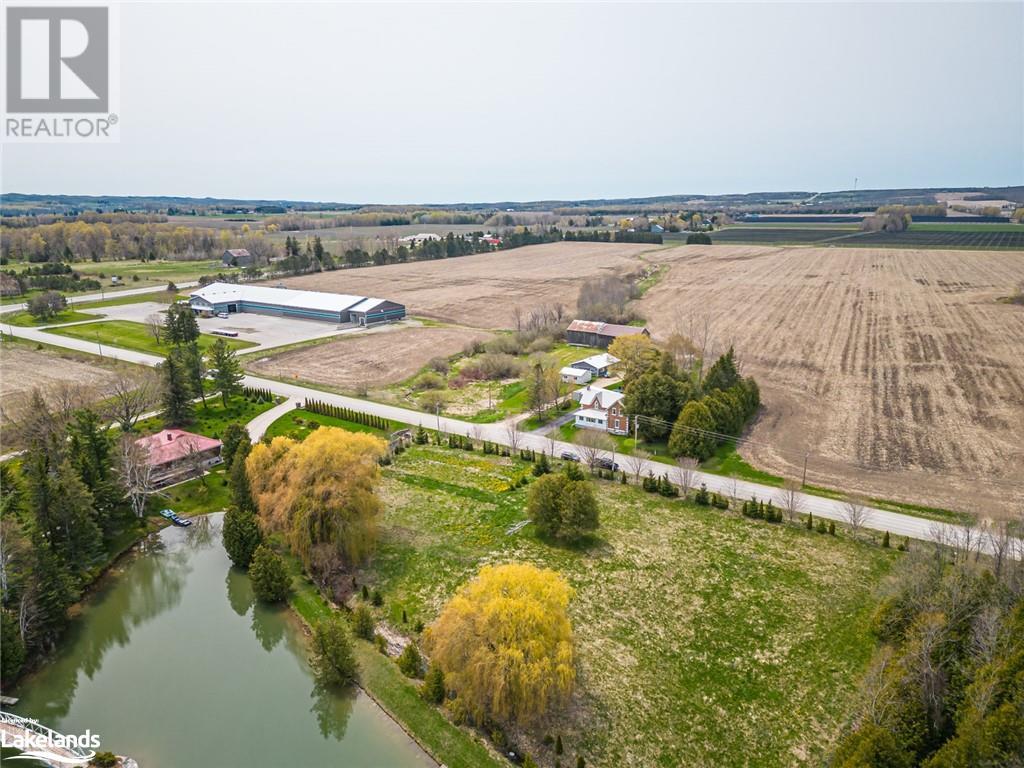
[221,293]
[604,329]
[366,305]
[238,252]
[169,445]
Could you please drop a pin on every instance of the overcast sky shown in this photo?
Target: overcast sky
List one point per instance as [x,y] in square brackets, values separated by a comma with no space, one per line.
[485,102]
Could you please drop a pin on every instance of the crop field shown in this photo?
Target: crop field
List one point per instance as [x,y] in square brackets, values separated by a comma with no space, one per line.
[899,371]
[482,290]
[26,368]
[940,235]
[366,359]
[703,638]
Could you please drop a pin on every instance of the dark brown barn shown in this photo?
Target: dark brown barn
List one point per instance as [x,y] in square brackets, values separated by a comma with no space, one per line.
[589,333]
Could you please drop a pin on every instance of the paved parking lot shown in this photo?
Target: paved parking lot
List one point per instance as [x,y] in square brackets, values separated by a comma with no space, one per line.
[264,330]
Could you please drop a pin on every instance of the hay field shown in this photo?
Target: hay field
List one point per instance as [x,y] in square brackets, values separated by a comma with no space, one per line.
[363,360]
[901,371]
[481,290]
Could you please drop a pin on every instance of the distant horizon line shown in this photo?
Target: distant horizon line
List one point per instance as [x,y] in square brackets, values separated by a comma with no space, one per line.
[24,196]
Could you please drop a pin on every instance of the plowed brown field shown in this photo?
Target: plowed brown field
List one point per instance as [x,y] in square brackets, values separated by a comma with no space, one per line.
[900,371]
[370,359]
[482,290]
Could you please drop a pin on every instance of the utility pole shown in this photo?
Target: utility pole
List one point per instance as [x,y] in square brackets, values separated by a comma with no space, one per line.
[803,483]
[437,413]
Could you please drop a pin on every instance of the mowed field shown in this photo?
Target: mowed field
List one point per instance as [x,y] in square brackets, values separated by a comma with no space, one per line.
[482,290]
[900,370]
[367,359]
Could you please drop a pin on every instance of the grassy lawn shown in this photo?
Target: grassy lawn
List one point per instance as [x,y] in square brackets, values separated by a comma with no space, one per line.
[289,426]
[150,272]
[212,420]
[726,461]
[136,336]
[25,320]
[194,497]
[162,297]
[702,637]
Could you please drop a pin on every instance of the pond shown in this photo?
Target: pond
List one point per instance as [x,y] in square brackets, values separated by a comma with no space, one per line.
[174,663]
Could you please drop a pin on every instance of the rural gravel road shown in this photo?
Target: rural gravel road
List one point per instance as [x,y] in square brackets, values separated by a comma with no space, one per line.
[830,509]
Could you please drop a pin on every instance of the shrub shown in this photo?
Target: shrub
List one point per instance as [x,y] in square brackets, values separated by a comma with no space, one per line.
[428,380]
[378,598]
[365,593]
[558,744]
[417,627]
[504,344]
[702,497]
[439,365]
[362,622]
[332,651]
[698,238]
[831,528]
[580,762]
[885,540]
[810,521]
[270,580]
[433,685]
[381,643]
[104,760]
[410,662]
[822,528]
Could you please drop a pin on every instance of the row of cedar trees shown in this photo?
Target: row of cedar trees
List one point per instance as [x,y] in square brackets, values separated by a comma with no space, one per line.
[696,411]
[348,414]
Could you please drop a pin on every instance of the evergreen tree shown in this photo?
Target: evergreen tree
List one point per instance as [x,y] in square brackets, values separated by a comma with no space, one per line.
[181,326]
[722,374]
[79,541]
[241,535]
[333,659]
[362,621]
[52,591]
[433,685]
[89,451]
[658,396]
[885,540]
[235,441]
[227,370]
[410,662]
[542,467]
[177,394]
[690,435]
[191,361]
[12,649]
[270,580]
[238,482]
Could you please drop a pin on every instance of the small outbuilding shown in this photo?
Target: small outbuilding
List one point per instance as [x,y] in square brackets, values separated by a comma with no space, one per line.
[573,375]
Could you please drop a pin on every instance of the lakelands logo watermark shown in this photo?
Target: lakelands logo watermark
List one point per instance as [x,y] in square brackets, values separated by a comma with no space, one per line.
[51,747]
[61,69]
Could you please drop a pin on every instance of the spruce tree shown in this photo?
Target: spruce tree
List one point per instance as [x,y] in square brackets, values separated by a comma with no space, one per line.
[241,535]
[177,394]
[885,540]
[433,685]
[227,370]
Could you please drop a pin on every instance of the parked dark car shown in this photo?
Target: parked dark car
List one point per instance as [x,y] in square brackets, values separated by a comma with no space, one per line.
[569,456]
[605,463]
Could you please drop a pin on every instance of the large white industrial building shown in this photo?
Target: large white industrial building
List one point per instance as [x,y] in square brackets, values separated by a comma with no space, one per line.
[311,305]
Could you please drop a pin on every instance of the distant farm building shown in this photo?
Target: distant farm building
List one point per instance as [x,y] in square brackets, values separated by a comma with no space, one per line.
[237,257]
[177,455]
[414,240]
[338,308]
[589,333]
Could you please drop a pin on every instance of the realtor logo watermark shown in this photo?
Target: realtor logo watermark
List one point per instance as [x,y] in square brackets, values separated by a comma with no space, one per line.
[61,73]
[52,748]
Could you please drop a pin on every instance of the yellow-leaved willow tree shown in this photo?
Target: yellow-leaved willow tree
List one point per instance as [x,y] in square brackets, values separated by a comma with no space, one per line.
[321,493]
[504,642]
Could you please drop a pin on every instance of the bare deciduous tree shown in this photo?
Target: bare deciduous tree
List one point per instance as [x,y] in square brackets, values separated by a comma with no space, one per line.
[130,396]
[592,444]
[136,475]
[856,513]
[635,463]
[687,474]
[513,436]
[155,326]
[790,499]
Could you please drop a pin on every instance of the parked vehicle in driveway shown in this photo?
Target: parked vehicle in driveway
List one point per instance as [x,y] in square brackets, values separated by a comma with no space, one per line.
[222,315]
[606,463]
[569,456]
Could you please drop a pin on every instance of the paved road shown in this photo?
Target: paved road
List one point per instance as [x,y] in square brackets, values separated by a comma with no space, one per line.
[830,509]
[102,296]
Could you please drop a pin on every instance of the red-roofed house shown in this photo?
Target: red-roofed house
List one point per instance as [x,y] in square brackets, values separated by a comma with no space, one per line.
[177,455]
